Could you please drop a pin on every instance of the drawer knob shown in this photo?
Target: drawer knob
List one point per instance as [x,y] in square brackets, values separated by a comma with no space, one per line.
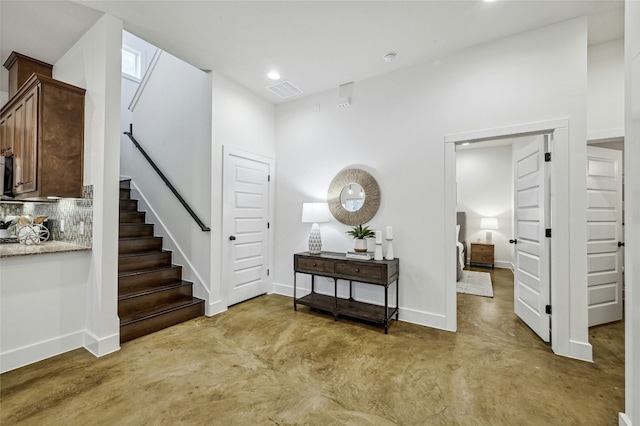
[315,264]
[357,270]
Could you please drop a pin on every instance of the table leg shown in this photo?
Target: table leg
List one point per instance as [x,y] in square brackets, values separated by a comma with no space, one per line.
[335,293]
[386,309]
[397,299]
[350,290]
[295,305]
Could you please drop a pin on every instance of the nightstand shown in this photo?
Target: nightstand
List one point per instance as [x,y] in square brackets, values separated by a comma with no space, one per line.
[482,254]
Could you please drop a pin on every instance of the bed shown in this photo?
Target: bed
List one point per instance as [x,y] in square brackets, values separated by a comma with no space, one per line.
[461,244]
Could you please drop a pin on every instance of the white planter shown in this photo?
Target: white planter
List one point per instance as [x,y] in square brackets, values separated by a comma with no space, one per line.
[360,245]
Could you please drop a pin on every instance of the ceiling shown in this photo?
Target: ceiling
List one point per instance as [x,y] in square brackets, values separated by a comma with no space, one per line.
[316,45]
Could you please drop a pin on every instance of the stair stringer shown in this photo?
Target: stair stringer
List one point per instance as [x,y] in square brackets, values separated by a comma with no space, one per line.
[189,272]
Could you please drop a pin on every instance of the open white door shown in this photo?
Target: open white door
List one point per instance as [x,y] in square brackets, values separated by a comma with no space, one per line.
[245,225]
[531,213]
[604,235]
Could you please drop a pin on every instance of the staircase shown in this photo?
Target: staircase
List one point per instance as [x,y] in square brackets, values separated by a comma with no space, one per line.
[151,292]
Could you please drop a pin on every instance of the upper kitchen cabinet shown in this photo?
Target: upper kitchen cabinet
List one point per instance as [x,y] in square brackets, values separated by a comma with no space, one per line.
[43,123]
[20,69]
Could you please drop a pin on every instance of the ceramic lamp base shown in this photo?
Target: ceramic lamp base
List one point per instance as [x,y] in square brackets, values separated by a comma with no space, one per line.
[389,250]
[315,241]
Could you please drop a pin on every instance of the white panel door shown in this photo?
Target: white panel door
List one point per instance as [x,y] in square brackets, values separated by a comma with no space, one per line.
[245,224]
[604,231]
[531,277]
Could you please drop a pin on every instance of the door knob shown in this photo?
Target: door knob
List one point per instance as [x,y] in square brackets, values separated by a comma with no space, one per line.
[620,244]
[513,241]
[232,238]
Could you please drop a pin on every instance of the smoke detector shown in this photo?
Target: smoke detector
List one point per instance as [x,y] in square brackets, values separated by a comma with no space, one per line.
[388,57]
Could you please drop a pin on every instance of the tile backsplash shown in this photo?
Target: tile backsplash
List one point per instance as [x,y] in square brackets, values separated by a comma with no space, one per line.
[77,214]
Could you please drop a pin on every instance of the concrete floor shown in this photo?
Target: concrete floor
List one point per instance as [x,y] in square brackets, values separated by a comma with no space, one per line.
[262,363]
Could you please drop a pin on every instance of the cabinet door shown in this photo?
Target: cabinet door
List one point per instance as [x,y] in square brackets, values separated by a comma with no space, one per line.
[7,131]
[26,143]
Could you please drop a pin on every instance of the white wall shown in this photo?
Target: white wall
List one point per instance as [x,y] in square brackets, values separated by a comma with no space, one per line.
[94,63]
[171,121]
[43,305]
[396,127]
[242,120]
[632,213]
[605,96]
[485,189]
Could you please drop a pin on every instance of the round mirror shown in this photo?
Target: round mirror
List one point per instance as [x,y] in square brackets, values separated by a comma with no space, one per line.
[352,197]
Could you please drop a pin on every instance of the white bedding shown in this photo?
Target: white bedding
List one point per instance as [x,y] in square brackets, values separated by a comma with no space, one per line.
[461,251]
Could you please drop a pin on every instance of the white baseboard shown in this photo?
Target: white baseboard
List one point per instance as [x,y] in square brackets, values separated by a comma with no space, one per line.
[35,352]
[504,265]
[623,420]
[578,350]
[283,289]
[215,308]
[103,346]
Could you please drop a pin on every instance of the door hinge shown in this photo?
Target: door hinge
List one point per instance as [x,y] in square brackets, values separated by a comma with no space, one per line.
[547,309]
[268,225]
[547,232]
[547,157]
[267,272]
[268,178]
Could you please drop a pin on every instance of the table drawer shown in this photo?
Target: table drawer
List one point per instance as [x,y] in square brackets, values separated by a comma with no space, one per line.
[356,271]
[482,249]
[315,265]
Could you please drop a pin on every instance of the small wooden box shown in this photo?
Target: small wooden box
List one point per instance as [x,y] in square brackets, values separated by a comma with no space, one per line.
[482,254]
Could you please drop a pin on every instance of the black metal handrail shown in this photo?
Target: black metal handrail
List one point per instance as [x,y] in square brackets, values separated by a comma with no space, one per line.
[166,181]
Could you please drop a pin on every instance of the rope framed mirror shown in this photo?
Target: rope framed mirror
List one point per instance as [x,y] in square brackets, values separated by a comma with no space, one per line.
[353,197]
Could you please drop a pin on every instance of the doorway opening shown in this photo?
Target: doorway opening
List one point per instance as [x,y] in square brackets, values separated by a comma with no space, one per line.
[560,290]
[486,202]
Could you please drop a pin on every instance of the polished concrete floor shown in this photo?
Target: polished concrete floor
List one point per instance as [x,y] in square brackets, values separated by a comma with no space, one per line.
[261,363]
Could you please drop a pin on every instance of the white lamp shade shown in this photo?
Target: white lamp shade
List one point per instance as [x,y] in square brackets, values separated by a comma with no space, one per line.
[315,213]
[488,223]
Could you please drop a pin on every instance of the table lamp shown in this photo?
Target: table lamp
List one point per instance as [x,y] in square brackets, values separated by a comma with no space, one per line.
[315,213]
[488,223]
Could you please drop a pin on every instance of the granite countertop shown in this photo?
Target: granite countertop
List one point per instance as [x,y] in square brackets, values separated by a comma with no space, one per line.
[10,250]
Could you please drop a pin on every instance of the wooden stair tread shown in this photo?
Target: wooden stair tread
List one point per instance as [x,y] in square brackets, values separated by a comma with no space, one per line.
[144,253]
[159,310]
[148,270]
[142,291]
[142,237]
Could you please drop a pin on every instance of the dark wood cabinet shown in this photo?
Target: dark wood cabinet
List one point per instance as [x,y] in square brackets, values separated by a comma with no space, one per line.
[20,69]
[338,267]
[43,123]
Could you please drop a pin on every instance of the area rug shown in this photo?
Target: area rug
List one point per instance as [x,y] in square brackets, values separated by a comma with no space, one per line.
[476,283]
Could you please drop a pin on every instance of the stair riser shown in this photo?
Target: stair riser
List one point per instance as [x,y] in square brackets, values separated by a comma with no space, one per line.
[131,283]
[154,260]
[141,328]
[129,306]
[125,184]
[132,217]
[139,246]
[141,230]
[128,205]
[125,193]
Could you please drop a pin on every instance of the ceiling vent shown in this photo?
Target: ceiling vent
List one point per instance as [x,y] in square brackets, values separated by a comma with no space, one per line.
[284,89]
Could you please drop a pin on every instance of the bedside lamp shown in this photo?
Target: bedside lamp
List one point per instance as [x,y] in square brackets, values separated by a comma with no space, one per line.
[315,213]
[489,223]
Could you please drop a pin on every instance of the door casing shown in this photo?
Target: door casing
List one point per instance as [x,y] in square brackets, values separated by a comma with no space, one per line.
[562,285]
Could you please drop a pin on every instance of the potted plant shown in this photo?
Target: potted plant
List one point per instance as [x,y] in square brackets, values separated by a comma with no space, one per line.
[359,234]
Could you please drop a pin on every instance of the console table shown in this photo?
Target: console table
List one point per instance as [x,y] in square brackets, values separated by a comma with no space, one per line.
[338,267]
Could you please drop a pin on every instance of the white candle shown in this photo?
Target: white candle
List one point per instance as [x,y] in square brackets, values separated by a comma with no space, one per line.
[389,233]
[378,237]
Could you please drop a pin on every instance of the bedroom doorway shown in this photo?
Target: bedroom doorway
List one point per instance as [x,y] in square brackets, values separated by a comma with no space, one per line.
[502,200]
[560,286]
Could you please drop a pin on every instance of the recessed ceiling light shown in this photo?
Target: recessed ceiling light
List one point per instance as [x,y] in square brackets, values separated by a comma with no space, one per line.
[388,57]
[273,75]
